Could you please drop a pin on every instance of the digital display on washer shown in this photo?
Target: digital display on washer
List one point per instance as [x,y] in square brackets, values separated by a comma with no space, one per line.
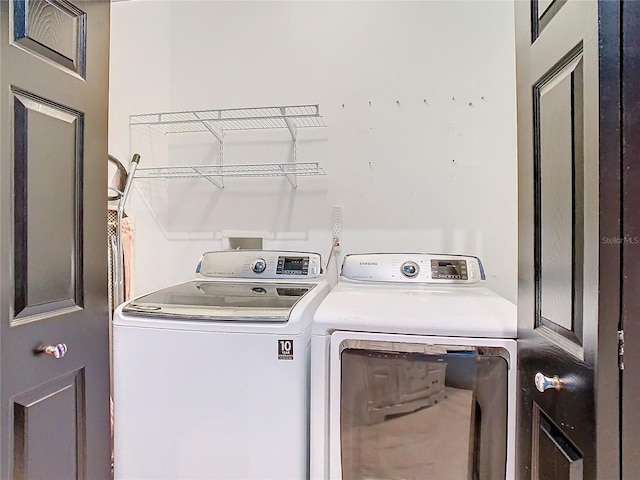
[449,270]
[292,266]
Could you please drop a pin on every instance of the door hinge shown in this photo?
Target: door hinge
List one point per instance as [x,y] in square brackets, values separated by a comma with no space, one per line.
[621,349]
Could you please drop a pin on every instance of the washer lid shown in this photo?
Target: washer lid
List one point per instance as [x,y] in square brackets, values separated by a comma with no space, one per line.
[221,301]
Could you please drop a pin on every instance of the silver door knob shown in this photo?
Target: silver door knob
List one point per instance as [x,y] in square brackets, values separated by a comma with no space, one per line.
[56,351]
[545,383]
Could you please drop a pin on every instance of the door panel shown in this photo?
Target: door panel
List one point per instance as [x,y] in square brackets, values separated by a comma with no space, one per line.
[54,412]
[54,30]
[47,145]
[556,457]
[59,456]
[558,155]
[542,13]
[568,280]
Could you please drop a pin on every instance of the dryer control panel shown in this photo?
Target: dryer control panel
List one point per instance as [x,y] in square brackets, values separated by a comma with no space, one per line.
[264,264]
[413,268]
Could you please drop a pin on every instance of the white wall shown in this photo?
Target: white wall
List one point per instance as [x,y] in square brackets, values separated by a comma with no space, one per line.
[419,99]
[139,79]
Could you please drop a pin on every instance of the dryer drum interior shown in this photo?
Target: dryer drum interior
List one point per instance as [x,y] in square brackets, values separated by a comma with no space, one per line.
[417,411]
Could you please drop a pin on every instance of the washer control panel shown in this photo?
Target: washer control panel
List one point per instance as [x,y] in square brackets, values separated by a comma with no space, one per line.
[267,264]
[413,267]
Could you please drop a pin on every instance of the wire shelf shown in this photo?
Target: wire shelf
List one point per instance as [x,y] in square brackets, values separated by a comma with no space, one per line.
[216,122]
[249,170]
[257,118]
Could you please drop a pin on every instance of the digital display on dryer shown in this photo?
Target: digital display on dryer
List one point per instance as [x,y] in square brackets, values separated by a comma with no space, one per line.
[449,270]
[292,266]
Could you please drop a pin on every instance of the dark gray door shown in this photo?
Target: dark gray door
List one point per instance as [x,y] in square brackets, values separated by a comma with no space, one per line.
[54,412]
[568,84]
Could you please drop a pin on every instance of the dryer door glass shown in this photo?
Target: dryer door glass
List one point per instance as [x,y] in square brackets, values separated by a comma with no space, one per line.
[415,411]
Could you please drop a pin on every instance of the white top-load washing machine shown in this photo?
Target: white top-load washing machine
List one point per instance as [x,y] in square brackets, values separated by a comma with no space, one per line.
[413,372]
[211,376]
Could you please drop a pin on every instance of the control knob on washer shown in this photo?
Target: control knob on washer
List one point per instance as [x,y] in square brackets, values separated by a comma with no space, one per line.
[259,265]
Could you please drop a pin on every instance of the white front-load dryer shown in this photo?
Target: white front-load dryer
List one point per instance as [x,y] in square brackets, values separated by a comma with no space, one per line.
[211,376]
[413,372]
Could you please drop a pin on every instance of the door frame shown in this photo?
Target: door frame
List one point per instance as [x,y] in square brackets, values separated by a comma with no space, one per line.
[630,239]
[607,373]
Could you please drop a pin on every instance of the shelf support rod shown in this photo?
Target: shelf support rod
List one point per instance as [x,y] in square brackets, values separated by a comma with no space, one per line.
[294,137]
[293,179]
[220,137]
[291,127]
[209,178]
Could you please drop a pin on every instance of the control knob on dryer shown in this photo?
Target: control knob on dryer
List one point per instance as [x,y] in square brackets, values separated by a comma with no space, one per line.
[410,269]
[259,265]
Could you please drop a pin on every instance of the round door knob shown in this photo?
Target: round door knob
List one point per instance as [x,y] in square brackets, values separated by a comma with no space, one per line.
[56,351]
[544,383]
